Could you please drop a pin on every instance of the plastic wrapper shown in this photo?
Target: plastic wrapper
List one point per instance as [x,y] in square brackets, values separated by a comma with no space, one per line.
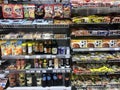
[18,11]
[48,11]
[58,11]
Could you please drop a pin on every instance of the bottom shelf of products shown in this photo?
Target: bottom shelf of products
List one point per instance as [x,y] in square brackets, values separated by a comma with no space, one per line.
[39,88]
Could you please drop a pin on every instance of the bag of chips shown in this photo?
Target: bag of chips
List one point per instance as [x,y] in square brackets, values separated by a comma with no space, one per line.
[48,11]
[58,11]
[67,10]
[18,11]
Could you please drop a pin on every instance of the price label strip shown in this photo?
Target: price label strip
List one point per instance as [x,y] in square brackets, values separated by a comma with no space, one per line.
[27,71]
[38,71]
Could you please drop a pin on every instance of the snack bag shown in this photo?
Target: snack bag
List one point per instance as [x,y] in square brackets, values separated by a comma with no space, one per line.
[66,10]
[58,11]
[48,11]
[18,11]
[29,11]
[39,11]
[32,11]
[7,11]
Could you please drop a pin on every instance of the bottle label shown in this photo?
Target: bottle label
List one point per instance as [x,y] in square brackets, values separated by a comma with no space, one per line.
[29,50]
[54,50]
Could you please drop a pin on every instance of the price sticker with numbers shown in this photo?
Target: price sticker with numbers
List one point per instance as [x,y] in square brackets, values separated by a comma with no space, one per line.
[27,71]
[117,49]
[48,56]
[38,56]
[58,71]
[54,71]
[68,71]
[7,71]
[27,57]
[38,71]
[32,71]
[91,49]
[43,71]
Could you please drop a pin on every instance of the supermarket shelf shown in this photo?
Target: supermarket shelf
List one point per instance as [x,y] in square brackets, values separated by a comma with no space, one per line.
[95,10]
[34,56]
[97,61]
[53,26]
[35,39]
[37,70]
[98,86]
[95,49]
[100,73]
[89,61]
[34,26]
[40,88]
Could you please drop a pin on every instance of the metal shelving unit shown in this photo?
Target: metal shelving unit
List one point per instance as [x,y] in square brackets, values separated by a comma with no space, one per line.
[37,70]
[35,56]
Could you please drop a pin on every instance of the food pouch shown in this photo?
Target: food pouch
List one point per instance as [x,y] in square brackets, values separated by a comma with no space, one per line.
[39,11]
[66,10]
[58,11]
[18,11]
[7,10]
[48,11]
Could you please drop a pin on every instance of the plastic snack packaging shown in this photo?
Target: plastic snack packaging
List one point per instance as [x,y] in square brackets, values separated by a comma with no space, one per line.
[48,11]
[39,11]
[67,10]
[18,11]
[7,10]
[29,11]
[58,11]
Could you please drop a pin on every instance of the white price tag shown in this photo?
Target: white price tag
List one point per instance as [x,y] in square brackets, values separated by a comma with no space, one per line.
[43,71]
[27,71]
[91,49]
[27,57]
[32,71]
[68,71]
[58,71]
[54,71]
[63,71]
[53,56]
[48,56]
[117,49]
[38,56]
[38,71]
[7,72]
[67,56]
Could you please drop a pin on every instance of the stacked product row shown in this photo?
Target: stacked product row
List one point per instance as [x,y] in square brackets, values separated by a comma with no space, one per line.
[36,35]
[29,48]
[31,11]
[86,32]
[95,43]
[40,64]
[37,79]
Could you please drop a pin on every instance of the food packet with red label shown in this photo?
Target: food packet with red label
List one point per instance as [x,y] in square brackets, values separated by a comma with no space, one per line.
[67,10]
[18,11]
[48,11]
[7,10]
[58,11]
